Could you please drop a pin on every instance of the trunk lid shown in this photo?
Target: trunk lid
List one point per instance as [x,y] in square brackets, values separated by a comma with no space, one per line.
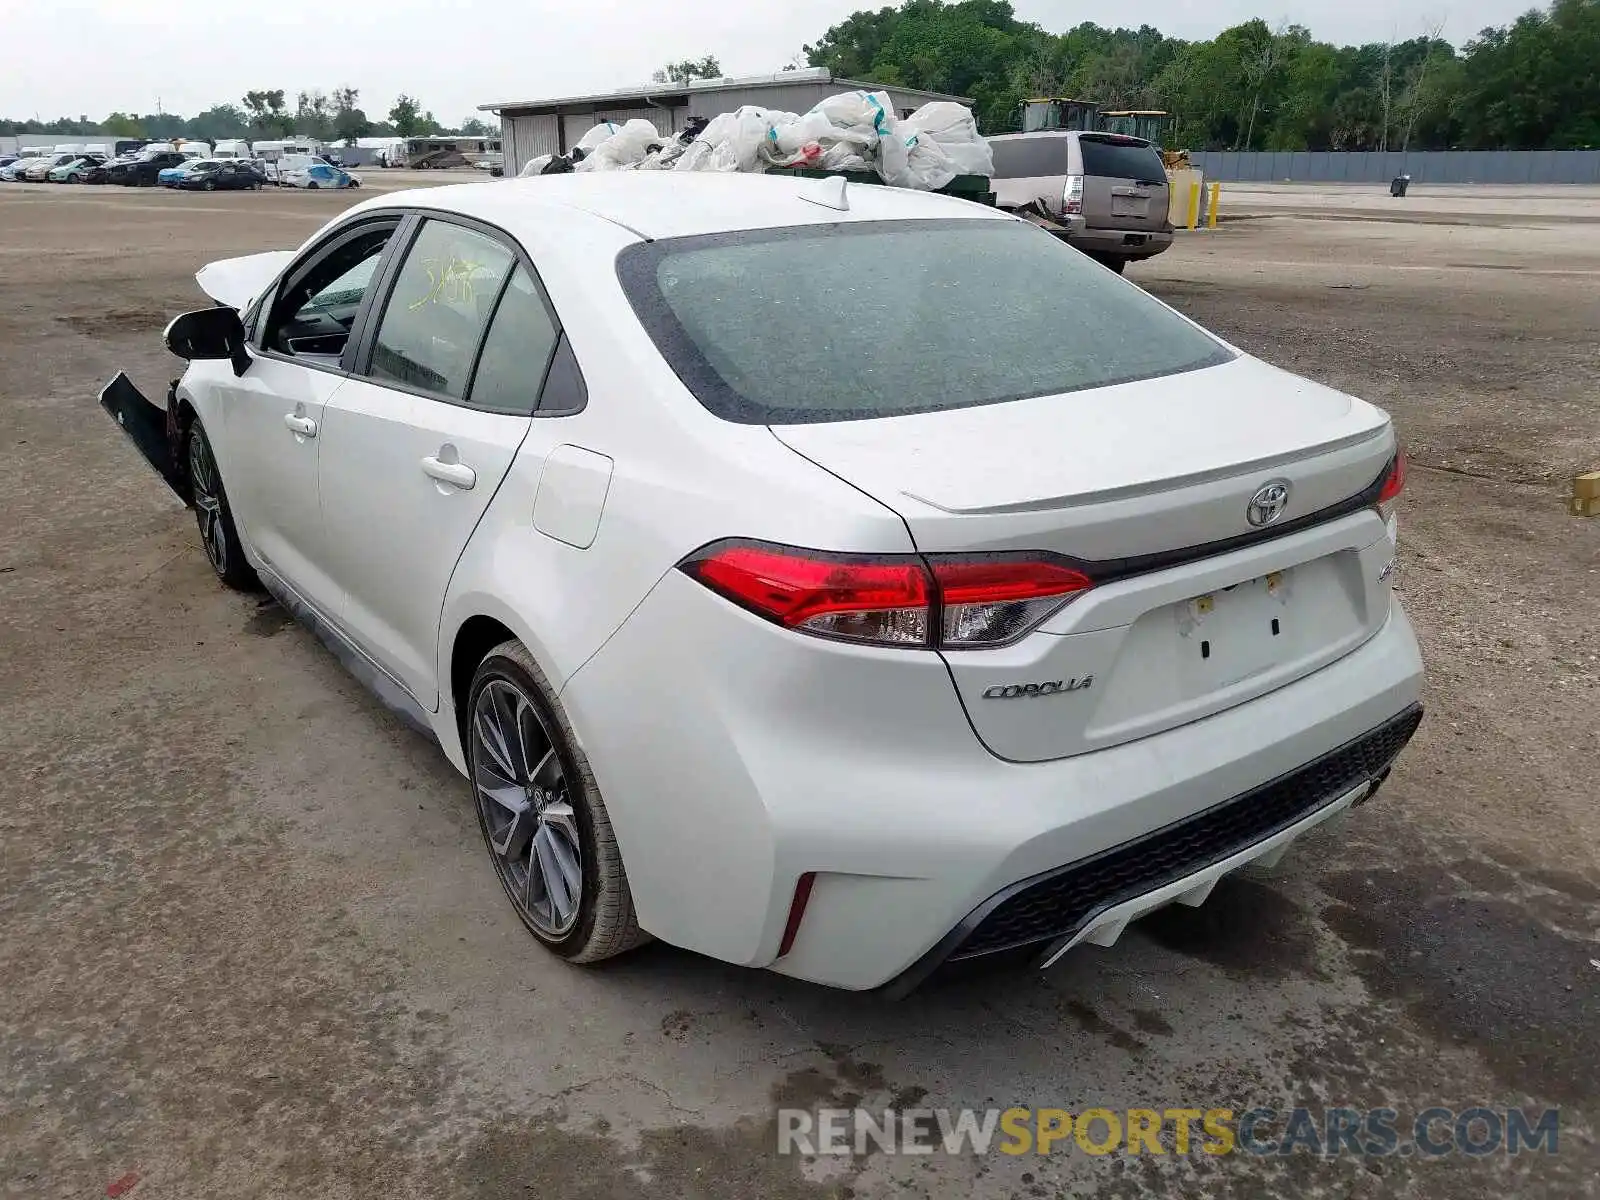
[1150,483]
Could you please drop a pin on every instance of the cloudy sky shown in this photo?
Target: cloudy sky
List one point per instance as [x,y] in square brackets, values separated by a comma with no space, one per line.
[186,55]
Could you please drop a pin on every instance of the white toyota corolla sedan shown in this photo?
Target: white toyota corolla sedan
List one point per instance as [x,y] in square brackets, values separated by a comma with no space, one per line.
[836,579]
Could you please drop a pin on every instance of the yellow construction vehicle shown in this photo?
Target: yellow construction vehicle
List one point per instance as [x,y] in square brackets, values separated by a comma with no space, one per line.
[1051,113]
[1151,124]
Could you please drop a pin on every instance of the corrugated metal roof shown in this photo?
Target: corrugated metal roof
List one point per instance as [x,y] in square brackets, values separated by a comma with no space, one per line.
[661,91]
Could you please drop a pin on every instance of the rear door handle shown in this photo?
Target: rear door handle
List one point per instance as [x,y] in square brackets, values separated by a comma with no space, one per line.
[457,474]
[304,426]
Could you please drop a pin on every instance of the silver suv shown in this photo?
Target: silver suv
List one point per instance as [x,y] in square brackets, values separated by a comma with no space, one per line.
[1105,192]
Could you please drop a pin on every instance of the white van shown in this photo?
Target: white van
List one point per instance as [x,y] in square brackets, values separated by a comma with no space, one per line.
[231,148]
[271,151]
[195,149]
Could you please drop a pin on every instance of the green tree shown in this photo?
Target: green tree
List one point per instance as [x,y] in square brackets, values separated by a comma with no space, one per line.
[268,114]
[1535,82]
[690,68]
[122,125]
[473,127]
[349,122]
[405,115]
[313,116]
[219,121]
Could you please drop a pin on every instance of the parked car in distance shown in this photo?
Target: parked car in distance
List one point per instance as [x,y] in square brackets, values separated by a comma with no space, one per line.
[317,173]
[98,173]
[77,171]
[39,170]
[169,176]
[1060,612]
[218,174]
[1107,193]
[13,171]
[144,169]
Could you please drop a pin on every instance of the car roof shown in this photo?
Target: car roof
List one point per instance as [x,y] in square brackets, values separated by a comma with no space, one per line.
[663,204]
[1094,135]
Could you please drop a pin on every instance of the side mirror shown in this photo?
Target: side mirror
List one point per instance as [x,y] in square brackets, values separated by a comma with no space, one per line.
[209,333]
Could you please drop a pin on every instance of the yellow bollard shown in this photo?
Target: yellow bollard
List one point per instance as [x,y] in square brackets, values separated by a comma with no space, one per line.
[1194,205]
[1211,215]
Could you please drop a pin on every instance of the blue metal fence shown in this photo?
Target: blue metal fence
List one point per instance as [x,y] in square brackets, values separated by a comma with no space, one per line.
[1429,166]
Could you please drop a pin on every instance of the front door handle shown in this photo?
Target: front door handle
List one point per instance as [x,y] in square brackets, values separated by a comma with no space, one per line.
[457,474]
[304,426]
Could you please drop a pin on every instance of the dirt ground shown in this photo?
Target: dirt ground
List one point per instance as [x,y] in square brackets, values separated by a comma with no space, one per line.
[250,946]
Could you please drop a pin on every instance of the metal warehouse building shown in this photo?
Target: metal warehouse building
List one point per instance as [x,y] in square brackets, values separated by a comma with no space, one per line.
[535,127]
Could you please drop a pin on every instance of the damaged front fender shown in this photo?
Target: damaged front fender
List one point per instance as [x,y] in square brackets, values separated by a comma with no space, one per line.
[152,430]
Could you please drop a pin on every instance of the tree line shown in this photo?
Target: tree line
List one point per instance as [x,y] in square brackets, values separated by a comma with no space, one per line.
[327,117]
[1533,84]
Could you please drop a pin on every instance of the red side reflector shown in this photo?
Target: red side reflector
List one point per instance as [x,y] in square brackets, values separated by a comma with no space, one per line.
[797,911]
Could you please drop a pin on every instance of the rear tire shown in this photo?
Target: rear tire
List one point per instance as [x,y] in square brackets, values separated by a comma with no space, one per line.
[543,821]
[1111,262]
[219,536]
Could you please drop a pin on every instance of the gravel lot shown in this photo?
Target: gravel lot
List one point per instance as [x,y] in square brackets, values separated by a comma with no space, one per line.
[249,944]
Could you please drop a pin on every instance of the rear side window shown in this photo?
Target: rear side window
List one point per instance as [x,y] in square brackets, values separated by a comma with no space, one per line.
[1121,159]
[1031,157]
[516,351]
[875,319]
[441,301]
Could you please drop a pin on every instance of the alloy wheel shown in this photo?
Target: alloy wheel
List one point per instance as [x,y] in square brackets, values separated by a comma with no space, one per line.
[526,808]
[206,488]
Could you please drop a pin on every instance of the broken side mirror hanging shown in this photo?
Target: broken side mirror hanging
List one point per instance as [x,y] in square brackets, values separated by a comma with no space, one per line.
[209,333]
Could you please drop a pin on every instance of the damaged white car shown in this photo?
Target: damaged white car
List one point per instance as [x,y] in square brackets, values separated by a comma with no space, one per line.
[843,580]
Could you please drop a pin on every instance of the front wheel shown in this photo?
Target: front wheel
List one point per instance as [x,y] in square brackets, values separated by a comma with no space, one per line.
[210,185]
[312,185]
[213,514]
[544,823]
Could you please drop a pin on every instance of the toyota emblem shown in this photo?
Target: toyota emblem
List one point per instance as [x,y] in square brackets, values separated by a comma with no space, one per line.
[1267,505]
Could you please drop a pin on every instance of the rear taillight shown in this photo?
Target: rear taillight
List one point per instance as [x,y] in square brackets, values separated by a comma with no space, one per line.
[987,602]
[1394,482]
[1072,198]
[949,602]
[842,596]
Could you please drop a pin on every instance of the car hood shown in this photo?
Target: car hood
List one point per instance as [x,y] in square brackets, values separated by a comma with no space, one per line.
[237,281]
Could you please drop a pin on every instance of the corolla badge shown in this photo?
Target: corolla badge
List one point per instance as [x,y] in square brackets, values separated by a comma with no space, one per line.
[1267,505]
[1053,687]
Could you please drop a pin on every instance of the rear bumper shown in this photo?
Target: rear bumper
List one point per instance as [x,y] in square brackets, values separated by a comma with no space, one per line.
[1095,899]
[757,756]
[1123,243]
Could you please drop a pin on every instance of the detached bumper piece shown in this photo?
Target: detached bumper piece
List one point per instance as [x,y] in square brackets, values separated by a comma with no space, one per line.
[147,428]
[1059,904]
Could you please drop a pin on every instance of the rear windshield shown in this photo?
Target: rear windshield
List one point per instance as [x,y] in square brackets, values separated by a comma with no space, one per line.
[1031,157]
[874,319]
[1121,160]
